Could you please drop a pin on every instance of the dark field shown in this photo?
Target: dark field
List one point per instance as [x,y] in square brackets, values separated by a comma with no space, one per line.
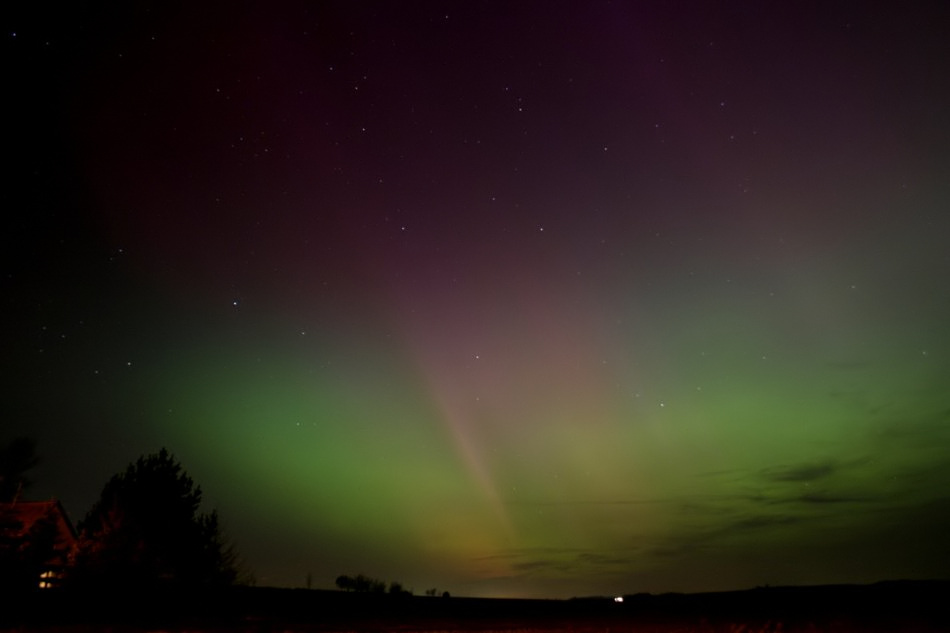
[885,607]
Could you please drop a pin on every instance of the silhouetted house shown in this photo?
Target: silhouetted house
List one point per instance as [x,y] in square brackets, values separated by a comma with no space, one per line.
[37,543]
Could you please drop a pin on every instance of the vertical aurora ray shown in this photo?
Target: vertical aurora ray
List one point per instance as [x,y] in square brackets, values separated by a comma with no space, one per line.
[474,462]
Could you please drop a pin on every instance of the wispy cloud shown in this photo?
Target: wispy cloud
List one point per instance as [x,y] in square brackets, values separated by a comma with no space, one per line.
[592,558]
[760,522]
[535,565]
[561,561]
[822,498]
[800,472]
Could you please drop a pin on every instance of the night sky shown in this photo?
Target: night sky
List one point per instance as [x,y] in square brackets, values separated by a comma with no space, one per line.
[504,298]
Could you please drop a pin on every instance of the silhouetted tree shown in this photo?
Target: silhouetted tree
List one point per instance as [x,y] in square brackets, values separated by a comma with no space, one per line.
[17,457]
[396,589]
[362,584]
[370,585]
[146,529]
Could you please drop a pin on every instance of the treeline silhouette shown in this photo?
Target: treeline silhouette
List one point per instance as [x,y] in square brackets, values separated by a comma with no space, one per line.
[365,584]
[145,531]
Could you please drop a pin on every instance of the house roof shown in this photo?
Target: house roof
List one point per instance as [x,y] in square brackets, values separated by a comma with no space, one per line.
[28,513]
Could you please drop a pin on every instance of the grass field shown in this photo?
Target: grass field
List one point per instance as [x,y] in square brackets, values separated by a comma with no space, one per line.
[919,607]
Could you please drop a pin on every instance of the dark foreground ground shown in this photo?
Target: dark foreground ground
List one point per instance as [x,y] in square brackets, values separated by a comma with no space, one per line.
[918,607]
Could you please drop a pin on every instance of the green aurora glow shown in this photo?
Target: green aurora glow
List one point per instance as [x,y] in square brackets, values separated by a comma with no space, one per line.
[568,302]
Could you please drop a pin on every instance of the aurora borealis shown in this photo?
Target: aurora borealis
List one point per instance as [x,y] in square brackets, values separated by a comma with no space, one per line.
[508,299]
